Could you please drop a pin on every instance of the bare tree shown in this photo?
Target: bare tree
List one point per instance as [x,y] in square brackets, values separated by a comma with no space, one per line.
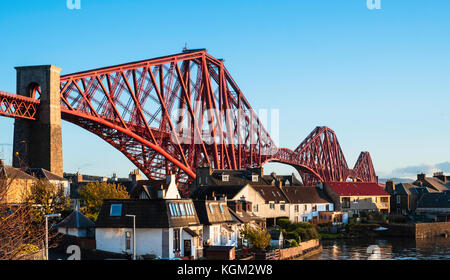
[21,235]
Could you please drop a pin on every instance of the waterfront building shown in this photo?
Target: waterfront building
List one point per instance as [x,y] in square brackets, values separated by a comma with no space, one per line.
[435,206]
[438,183]
[356,197]
[165,228]
[404,196]
[219,228]
[305,204]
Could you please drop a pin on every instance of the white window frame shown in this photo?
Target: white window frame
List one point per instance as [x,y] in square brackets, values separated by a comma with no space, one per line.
[255,178]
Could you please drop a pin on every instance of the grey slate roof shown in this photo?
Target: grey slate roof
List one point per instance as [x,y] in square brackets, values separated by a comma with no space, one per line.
[150,213]
[434,200]
[76,220]
[207,217]
[245,217]
[206,192]
[305,195]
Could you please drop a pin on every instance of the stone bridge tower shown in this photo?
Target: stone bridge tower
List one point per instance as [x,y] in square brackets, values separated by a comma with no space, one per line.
[38,144]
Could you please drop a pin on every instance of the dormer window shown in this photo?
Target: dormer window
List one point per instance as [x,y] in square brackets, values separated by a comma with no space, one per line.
[225,178]
[255,178]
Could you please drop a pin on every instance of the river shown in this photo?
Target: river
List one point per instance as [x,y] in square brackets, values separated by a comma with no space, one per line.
[384,249]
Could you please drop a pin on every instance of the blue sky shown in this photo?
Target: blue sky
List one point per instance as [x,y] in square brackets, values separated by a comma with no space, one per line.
[378,78]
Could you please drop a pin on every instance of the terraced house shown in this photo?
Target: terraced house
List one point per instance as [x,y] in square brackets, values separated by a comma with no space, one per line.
[305,203]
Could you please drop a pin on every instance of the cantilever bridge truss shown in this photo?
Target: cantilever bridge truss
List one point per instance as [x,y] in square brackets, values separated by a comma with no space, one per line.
[174,113]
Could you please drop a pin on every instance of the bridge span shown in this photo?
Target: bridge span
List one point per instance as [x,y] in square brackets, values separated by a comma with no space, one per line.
[167,115]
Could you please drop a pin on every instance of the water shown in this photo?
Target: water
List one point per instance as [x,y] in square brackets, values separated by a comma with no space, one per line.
[389,249]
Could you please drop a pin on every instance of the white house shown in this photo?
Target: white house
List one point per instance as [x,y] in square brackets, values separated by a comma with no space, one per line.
[305,203]
[219,228]
[267,201]
[165,228]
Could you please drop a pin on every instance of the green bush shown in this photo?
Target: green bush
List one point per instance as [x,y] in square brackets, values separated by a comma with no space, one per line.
[298,231]
[293,243]
[283,223]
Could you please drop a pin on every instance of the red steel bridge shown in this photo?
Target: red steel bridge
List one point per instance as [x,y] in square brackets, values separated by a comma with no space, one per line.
[171,114]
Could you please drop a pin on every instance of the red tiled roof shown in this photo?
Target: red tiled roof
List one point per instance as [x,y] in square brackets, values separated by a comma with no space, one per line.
[356,188]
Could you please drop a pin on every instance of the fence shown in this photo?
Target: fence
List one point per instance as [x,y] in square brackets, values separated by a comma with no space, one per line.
[299,251]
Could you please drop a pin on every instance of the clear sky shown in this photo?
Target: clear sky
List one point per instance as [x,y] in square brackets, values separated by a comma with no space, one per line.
[379,78]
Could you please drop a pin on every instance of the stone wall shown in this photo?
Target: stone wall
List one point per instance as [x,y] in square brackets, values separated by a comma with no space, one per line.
[299,251]
[422,230]
[429,230]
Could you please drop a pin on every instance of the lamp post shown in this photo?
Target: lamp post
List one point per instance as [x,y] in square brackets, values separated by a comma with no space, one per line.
[134,235]
[46,230]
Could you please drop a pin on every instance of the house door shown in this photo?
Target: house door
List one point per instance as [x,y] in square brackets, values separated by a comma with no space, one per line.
[187,248]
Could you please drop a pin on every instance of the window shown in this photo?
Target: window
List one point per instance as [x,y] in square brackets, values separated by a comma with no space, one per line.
[225,178]
[314,208]
[254,178]
[127,240]
[282,207]
[296,208]
[191,207]
[211,208]
[272,205]
[328,207]
[255,208]
[304,219]
[182,210]
[172,210]
[305,207]
[177,211]
[345,202]
[221,208]
[176,240]
[398,199]
[188,210]
[116,210]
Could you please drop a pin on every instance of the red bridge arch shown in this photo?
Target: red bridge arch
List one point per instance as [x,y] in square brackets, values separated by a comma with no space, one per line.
[173,113]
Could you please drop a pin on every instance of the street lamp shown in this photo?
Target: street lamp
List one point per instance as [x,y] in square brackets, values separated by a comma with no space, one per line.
[46,230]
[134,235]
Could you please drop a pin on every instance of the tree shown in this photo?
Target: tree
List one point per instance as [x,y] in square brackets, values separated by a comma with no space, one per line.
[47,198]
[258,237]
[20,234]
[93,194]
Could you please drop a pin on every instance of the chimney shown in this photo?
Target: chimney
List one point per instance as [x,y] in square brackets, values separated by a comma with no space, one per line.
[161,192]
[390,186]
[440,176]
[79,177]
[421,177]
[171,178]
[135,176]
